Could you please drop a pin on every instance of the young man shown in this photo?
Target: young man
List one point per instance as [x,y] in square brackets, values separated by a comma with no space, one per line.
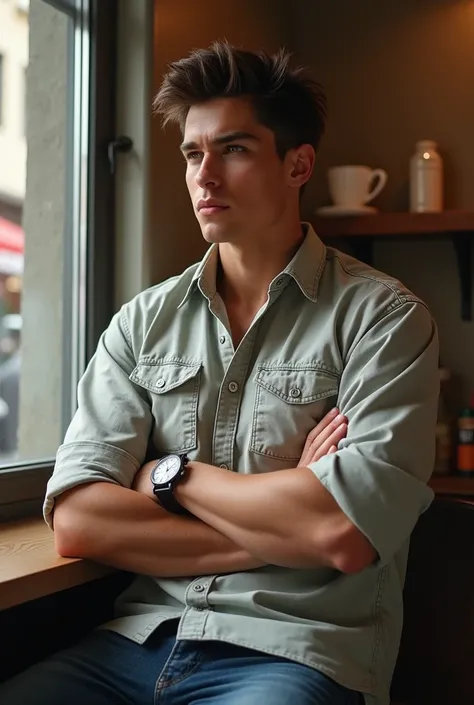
[254,586]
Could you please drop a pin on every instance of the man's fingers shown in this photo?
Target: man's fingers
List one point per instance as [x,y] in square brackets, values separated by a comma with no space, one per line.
[324,423]
[325,434]
[322,430]
[332,441]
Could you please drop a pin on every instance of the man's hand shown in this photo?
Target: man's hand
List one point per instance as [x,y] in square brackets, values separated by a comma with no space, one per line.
[324,438]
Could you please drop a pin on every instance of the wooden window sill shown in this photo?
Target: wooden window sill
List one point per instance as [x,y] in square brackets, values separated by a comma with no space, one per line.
[30,567]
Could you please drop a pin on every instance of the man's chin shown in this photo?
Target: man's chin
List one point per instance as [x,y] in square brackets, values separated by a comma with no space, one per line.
[213,233]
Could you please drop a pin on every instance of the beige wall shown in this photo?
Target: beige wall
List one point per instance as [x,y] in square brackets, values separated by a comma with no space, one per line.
[175,239]
[397,71]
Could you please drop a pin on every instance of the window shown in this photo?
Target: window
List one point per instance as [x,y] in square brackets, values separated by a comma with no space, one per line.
[1,87]
[55,210]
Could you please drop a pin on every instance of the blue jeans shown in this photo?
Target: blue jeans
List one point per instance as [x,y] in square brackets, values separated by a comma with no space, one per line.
[107,669]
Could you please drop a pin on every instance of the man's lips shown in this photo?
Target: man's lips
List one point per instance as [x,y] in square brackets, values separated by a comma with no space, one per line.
[210,206]
[212,210]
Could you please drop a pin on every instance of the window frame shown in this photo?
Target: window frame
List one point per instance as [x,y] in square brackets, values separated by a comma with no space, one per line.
[23,484]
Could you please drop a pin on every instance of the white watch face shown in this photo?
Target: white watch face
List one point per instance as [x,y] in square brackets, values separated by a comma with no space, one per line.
[166,469]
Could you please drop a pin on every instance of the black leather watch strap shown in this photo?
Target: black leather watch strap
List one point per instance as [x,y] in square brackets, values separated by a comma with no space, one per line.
[169,502]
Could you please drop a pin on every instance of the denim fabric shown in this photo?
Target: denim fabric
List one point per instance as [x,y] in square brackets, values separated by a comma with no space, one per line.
[109,669]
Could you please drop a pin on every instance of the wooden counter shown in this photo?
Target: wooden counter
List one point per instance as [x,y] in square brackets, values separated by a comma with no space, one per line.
[452,486]
[31,568]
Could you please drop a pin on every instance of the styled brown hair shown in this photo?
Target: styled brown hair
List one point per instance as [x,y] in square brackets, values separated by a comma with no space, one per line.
[285,100]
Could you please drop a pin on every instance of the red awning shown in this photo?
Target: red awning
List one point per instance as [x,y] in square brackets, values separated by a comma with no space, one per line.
[12,237]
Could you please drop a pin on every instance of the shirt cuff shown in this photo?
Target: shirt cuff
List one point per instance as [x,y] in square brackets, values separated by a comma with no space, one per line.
[81,462]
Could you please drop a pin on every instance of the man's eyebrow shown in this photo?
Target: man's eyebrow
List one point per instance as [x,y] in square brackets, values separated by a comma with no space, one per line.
[222,139]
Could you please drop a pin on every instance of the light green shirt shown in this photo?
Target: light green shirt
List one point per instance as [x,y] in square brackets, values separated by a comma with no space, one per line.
[166,377]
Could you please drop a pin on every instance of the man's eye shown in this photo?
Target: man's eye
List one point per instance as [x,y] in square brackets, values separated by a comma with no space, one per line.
[235,148]
[192,156]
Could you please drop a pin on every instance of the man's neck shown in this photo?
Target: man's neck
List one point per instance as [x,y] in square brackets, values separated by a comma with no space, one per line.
[244,275]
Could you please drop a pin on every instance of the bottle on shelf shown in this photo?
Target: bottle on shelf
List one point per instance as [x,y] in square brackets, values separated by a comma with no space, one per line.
[444,429]
[426,178]
[465,450]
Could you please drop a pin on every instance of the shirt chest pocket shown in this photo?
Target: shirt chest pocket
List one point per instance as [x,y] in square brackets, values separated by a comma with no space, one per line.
[173,387]
[289,402]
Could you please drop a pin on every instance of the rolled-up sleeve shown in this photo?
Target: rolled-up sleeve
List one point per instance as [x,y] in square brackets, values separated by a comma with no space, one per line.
[108,436]
[389,392]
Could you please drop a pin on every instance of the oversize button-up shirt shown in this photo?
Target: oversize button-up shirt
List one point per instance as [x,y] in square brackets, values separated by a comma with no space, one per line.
[166,377]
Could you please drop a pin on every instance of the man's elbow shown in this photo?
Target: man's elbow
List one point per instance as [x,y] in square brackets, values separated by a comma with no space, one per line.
[65,545]
[69,528]
[353,552]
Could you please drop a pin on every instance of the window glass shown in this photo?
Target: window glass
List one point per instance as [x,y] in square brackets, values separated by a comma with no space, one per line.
[43,189]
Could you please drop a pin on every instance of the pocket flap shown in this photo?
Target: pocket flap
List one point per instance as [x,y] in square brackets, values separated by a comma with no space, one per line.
[298,386]
[161,376]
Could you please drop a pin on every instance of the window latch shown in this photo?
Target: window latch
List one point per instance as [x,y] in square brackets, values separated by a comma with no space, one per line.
[121,144]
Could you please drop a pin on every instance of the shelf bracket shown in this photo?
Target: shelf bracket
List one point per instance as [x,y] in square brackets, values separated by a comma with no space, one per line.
[463,248]
[363,248]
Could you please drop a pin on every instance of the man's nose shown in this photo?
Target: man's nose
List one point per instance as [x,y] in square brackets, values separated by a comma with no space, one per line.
[208,173]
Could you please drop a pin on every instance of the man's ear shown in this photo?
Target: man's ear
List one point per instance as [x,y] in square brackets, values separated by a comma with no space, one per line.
[300,165]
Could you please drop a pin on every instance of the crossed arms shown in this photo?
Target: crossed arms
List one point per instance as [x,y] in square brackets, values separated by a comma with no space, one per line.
[348,508]
[241,521]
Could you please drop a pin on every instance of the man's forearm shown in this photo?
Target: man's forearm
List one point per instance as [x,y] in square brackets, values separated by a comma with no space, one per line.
[286,518]
[127,530]
[273,513]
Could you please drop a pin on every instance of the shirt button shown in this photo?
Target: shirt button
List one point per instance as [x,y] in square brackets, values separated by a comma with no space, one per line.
[233,386]
[222,339]
[295,392]
[198,587]
[279,282]
[224,466]
[160,383]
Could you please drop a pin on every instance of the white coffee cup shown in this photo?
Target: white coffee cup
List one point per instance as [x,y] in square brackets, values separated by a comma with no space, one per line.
[350,186]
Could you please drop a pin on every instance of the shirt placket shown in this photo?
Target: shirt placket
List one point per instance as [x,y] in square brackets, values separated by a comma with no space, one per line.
[197,606]
[229,402]
[232,387]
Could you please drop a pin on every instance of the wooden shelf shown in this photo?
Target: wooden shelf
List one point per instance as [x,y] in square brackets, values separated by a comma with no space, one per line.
[381,225]
[460,486]
[363,231]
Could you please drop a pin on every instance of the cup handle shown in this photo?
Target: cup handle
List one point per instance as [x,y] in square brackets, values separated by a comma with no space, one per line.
[381,175]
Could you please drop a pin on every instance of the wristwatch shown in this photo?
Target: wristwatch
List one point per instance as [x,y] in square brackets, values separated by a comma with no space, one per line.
[164,476]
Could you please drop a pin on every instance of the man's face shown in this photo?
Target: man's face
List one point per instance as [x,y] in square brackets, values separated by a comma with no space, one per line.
[238,184]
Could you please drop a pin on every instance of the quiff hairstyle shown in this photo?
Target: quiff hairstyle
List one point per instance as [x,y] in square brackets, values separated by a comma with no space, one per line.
[286,100]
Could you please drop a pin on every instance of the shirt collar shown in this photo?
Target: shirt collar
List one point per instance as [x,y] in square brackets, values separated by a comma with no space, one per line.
[305,268]
[307,265]
[205,276]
